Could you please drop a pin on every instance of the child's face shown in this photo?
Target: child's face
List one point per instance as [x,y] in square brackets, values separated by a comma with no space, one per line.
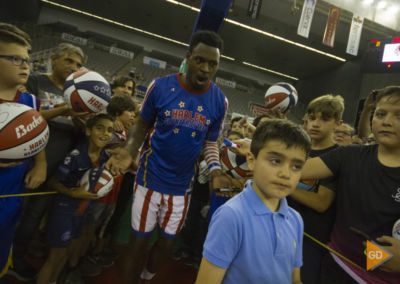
[127,118]
[386,122]
[100,134]
[126,89]
[236,126]
[276,169]
[10,74]
[319,127]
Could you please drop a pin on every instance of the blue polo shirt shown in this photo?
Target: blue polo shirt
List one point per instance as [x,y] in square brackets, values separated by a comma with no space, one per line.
[254,244]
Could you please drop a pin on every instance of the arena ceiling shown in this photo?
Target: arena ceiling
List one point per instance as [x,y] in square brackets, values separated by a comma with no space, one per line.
[277,17]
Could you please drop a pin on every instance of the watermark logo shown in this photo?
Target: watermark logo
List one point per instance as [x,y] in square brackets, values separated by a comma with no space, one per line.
[376,255]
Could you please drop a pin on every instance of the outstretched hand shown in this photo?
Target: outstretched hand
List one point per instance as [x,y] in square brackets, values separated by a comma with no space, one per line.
[119,161]
[393,264]
[81,193]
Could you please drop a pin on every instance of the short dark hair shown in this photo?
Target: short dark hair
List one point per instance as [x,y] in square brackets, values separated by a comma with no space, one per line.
[207,37]
[12,34]
[282,130]
[235,119]
[232,132]
[257,120]
[119,104]
[91,122]
[387,92]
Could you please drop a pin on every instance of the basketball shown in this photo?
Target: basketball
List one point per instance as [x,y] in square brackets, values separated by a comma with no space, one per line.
[98,180]
[23,132]
[234,165]
[87,91]
[281,95]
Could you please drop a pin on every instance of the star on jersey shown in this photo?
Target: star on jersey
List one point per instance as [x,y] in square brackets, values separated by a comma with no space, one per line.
[173,90]
[181,104]
[176,130]
[193,134]
[208,122]
[167,113]
[199,108]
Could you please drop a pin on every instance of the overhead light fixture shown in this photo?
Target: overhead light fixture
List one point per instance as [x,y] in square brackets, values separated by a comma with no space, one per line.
[266,33]
[124,25]
[381,5]
[270,71]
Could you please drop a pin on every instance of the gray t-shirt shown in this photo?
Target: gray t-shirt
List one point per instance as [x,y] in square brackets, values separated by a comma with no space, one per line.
[49,94]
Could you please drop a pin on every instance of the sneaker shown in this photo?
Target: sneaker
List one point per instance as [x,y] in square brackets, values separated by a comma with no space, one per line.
[22,272]
[102,260]
[89,268]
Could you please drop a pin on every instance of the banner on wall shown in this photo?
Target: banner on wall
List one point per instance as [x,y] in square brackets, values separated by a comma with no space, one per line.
[121,52]
[331,25]
[355,35]
[227,83]
[154,62]
[306,18]
[74,39]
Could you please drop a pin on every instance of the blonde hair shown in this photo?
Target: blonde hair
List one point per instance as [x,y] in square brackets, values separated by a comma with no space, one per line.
[12,34]
[329,106]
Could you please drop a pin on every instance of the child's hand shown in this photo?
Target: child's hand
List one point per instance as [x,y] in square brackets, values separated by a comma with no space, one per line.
[36,176]
[82,193]
[118,126]
[119,162]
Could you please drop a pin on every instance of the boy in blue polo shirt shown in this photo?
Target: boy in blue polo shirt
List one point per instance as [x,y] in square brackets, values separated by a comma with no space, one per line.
[256,237]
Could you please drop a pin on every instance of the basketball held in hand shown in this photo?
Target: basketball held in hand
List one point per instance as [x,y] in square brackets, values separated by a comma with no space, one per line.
[87,91]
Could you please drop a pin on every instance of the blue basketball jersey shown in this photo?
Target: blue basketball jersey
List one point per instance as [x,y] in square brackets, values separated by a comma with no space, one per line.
[182,121]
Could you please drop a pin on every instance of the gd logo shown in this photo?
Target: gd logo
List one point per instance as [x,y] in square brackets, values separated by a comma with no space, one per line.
[376,255]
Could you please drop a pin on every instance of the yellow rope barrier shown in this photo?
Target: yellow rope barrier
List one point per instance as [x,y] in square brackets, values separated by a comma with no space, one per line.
[28,194]
[335,252]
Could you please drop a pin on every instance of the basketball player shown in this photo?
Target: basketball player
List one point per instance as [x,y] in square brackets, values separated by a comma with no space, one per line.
[180,114]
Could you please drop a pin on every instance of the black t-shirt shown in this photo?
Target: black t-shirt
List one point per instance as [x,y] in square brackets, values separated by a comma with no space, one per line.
[368,197]
[318,225]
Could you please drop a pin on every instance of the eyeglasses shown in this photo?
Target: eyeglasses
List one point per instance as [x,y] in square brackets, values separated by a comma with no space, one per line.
[16,60]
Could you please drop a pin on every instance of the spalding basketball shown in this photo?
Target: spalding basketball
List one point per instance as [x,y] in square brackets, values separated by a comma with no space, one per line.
[87,91]
[281,95]
[23,132]
[234,165]
[98,180]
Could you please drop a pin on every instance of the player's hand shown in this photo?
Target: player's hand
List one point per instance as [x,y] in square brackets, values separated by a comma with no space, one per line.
[277,113]
[119,162]
[219,180]
[10,164]
[81,193]
[393,264]
[36,176]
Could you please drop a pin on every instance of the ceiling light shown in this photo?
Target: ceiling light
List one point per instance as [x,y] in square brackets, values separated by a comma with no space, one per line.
[368,2]
[265,33]
[270,71]
[125,26]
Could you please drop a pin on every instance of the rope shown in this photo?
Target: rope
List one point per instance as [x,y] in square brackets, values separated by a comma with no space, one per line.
[28,194]
[333,251]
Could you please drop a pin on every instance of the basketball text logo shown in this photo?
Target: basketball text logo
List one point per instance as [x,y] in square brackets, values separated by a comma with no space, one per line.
[22,130]
[397,195]
[376,255]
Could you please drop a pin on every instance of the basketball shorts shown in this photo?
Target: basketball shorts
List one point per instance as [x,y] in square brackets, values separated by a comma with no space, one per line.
[151,207]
